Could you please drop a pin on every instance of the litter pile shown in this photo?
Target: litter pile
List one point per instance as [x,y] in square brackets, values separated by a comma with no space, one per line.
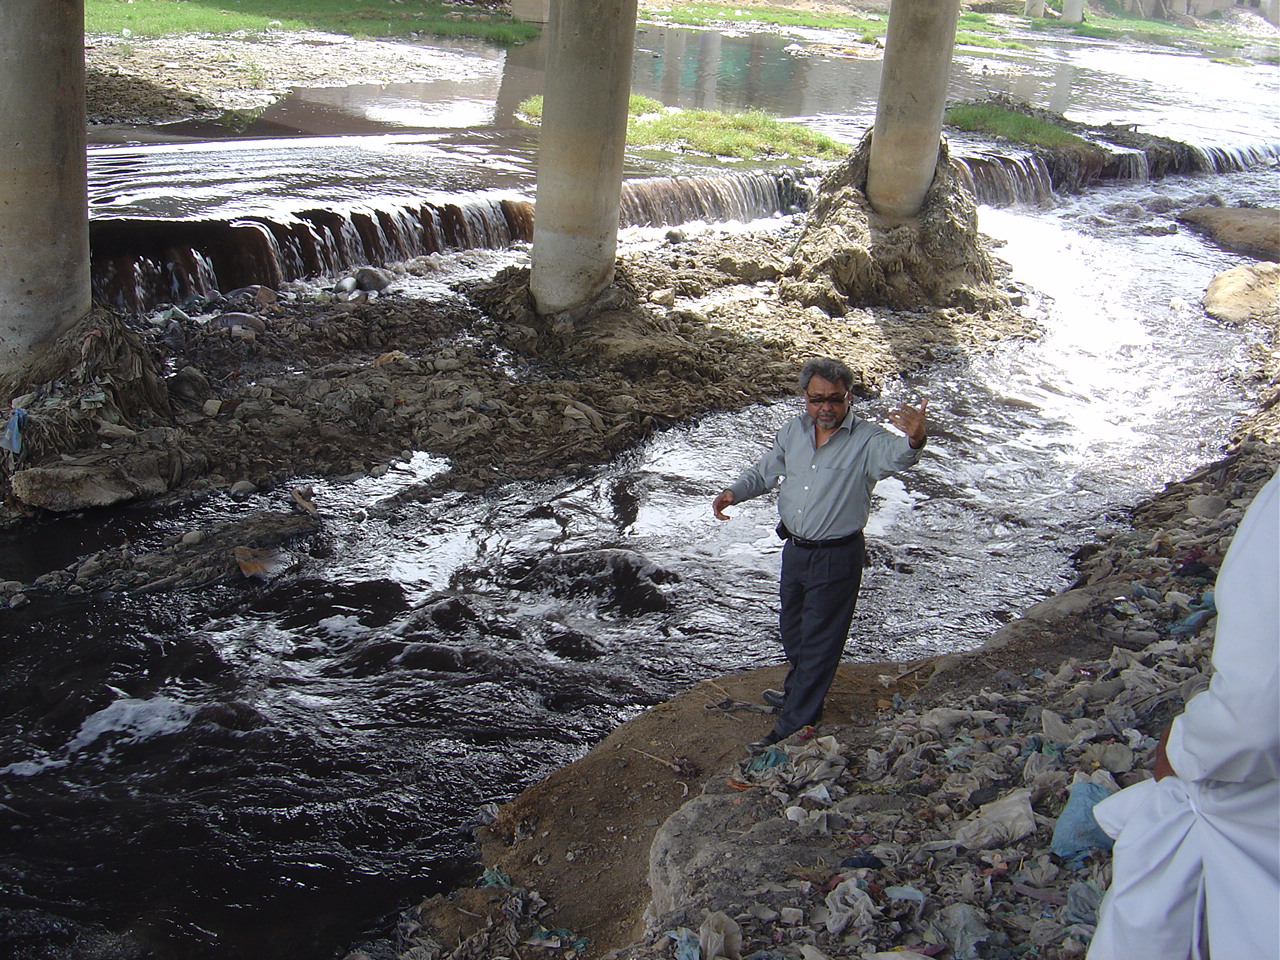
[963,830]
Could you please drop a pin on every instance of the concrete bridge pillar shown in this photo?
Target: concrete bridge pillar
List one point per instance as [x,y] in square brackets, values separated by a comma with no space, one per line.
[1073,11]
[44,218]
[1033,8]
[580,150]
[913,95]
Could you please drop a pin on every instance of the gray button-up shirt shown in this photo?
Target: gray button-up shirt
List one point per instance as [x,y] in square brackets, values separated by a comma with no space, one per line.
[826,490]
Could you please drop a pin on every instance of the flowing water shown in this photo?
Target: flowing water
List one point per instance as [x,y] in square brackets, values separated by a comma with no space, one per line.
[267,770]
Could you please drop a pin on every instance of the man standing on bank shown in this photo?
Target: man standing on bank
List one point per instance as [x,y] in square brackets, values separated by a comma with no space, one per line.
[829,461]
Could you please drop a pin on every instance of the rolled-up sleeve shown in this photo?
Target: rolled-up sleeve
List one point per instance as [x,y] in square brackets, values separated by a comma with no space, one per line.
[760,477]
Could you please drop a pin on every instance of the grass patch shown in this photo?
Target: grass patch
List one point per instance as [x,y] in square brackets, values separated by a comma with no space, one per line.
[637,105]
[993,120]
[356,18]
[968,39]
[746,136]
[709,14]
[1115,24]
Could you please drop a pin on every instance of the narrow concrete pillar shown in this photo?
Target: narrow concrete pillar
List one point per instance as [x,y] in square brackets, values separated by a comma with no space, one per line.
[44,218]
[580,150]
[1033,8]
[913,95]
[1073,11]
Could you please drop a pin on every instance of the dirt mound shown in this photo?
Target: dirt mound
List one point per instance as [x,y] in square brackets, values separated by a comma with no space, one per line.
[850,257]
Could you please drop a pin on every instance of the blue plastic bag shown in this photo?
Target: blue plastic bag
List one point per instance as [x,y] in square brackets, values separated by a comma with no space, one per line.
[11,436]
[1077,832]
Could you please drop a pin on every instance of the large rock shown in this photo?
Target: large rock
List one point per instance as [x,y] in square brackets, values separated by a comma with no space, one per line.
[1252,229]
[69,486]
[1244,293]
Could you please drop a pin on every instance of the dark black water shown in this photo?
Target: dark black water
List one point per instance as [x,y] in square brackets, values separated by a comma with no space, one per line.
[270,769]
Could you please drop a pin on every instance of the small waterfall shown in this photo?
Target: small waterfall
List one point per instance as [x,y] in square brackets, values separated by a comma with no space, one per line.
[138,264]
[1234,158]
[663,201]
[1001,180]
[1126,164]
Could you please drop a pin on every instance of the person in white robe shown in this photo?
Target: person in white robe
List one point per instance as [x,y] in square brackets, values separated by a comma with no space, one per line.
[1196,868]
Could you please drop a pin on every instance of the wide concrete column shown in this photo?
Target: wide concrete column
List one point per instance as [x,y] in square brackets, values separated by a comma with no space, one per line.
[1073,11]
[913,95]
[1033,8]
[580,150]
[44,218]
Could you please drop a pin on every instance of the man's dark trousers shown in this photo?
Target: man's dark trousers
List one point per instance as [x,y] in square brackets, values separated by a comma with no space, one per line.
[818,589]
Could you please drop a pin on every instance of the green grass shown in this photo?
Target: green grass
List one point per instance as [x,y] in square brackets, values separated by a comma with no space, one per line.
[995,121]
[706,14]
[357,18]
[746,136]
[636,106]
[1114,24]
[968,39]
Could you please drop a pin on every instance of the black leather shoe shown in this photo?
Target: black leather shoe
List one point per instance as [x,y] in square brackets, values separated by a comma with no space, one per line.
[773,698]
[764,743]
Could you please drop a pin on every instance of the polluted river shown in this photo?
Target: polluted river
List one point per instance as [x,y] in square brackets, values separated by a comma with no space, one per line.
[273,769]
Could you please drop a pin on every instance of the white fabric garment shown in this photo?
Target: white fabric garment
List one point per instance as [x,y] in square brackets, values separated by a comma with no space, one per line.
[1196,869]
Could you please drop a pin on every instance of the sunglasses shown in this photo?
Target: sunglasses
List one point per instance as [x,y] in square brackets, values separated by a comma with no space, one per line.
[835,400]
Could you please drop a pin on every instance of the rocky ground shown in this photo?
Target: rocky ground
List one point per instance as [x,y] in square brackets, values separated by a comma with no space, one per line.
[862,821]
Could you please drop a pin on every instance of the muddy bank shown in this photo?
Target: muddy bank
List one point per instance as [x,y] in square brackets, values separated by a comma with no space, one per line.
[157,80]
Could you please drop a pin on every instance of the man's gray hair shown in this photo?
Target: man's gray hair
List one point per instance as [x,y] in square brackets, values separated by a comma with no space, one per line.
[827,369]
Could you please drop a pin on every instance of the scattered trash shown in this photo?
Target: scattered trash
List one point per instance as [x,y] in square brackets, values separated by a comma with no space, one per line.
[687,946]
[960,926]
[11,436]
[302,498]
[263,564]
[719,936]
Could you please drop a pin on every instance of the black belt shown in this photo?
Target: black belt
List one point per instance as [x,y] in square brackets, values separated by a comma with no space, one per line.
[804,544]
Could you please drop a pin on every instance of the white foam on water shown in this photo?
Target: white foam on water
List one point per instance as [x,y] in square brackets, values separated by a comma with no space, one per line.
[134,719]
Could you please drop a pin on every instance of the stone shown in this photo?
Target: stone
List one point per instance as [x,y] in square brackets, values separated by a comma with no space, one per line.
[243,488]
[373,279]
[1244,293]
[1206,506]
[1253,229]
[67,487]
[235,319]
[115,431]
